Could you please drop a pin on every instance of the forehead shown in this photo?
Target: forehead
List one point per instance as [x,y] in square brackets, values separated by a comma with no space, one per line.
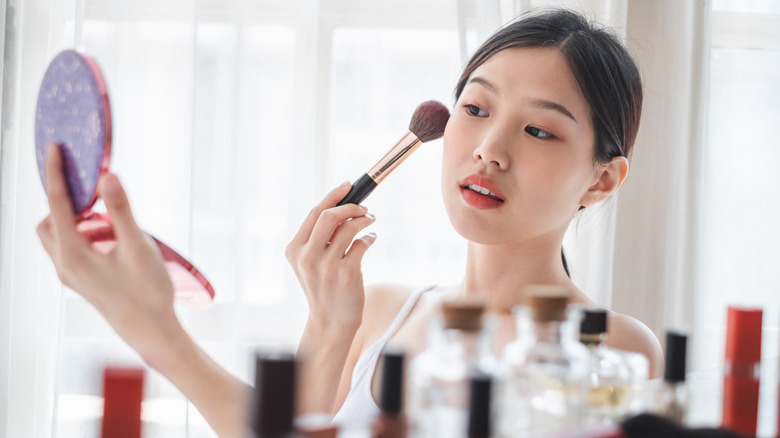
[523,74]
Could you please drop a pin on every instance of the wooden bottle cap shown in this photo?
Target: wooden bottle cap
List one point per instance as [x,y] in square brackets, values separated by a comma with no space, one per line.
[548,302]
[463,314]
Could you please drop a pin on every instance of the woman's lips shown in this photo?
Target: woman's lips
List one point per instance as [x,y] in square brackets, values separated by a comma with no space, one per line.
[481,192]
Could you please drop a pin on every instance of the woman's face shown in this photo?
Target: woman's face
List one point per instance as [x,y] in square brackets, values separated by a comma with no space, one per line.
[518,149]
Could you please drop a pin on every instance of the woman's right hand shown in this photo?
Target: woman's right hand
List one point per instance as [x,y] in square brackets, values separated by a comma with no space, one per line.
[327,258]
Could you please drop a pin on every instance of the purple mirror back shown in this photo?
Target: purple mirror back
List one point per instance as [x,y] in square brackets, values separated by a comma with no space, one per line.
[73,111]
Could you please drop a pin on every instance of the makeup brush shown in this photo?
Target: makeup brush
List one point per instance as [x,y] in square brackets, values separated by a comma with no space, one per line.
[428,122]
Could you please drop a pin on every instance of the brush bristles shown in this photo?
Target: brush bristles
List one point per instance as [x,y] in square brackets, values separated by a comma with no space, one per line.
[429,120]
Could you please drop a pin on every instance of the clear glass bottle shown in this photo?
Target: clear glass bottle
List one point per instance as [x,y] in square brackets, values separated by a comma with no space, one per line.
[610,380]
[459,344]
[672,396]
[544,378]
[639,368]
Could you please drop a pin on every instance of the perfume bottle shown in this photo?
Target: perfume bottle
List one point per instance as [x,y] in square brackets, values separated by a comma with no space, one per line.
[544,386]
[391,422]
[609,383]
[459,343]
[639,371]
[742,369]
[672,395]
[123,390]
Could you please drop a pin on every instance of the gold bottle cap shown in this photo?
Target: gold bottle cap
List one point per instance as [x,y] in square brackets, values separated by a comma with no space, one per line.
[548,302]
[463,313]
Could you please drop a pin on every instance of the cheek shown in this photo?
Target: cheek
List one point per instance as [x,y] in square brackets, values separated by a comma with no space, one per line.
[454,145]
[557,180]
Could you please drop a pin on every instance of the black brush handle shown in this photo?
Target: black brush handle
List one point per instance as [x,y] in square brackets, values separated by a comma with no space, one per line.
[359,191]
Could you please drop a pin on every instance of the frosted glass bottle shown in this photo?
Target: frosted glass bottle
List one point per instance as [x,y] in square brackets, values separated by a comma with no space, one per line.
[610,381]
[544,377]
[459,344]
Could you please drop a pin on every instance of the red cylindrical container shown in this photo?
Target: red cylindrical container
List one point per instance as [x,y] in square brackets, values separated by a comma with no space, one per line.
[742,368]
[123,392]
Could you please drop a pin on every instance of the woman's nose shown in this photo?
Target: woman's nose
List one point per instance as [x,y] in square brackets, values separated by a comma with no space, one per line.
[492,151]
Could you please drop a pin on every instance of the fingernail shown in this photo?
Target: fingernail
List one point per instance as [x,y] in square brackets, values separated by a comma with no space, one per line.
[344,184]
[372,235]
[363,207]
[370,216]
[51,148]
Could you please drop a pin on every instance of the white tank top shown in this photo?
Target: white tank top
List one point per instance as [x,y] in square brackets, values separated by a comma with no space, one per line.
[359,408]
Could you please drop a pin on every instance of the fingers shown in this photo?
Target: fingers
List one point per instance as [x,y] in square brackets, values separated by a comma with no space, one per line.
[359,247]
[62,216]
[330,200]
[118,206]
[46,235]
[323,233]
[346,232]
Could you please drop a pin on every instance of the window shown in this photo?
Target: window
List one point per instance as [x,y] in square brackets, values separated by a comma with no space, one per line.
[742,209]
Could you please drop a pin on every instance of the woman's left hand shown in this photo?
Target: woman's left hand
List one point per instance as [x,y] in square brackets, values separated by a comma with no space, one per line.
[129,286]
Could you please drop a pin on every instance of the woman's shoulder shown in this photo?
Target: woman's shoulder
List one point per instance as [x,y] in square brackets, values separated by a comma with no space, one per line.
[383,303]
[630,334]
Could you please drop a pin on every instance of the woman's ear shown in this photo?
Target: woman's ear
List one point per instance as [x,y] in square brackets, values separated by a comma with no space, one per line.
[609,178]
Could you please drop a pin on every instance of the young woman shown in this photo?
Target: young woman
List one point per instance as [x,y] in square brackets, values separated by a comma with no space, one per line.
[547,112]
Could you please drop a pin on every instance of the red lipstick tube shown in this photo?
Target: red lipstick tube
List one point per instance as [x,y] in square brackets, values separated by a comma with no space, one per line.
[742,370]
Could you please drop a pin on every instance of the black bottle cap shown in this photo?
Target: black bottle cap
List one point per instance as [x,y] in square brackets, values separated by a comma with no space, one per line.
[392,381]
[675,356]
[479,406]
[273,400]
[594,321]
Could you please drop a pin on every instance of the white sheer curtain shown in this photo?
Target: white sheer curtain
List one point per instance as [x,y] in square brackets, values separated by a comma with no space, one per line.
[233,117]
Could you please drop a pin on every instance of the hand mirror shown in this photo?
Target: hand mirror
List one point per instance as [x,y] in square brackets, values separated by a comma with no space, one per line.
[73,111]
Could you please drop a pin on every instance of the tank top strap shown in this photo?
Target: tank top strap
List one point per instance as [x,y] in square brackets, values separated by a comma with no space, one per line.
[402,314]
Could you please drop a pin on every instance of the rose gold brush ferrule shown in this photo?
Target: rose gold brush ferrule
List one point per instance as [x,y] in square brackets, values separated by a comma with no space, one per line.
[402,149]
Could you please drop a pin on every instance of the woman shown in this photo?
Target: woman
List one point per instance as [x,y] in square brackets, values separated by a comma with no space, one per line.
[547,111]
[546,114]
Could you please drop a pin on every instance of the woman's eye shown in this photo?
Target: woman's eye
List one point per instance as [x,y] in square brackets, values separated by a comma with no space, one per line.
[538,133]
[475,110]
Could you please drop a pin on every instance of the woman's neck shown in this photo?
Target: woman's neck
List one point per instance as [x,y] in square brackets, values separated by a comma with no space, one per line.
[499,272]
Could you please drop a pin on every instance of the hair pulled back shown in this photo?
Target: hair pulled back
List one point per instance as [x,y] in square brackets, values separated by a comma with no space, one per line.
[604,70]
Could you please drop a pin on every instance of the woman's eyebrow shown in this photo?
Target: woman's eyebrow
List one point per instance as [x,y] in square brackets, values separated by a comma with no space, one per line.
[549,105]
[484,82]
[539,103]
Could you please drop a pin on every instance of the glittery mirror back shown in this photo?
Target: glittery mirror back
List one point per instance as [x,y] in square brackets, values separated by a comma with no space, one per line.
[73,111]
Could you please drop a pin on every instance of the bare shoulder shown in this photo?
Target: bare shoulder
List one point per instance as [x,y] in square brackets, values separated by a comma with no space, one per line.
[383,302]
[630,334]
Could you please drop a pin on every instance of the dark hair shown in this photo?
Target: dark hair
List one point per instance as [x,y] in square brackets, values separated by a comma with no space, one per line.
[604,70]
